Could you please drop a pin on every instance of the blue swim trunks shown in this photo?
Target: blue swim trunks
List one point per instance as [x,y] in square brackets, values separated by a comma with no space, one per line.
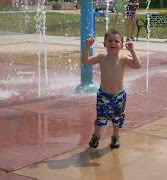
[110,106]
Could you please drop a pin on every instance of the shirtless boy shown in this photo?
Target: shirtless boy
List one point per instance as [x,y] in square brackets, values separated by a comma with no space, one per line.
[111,96]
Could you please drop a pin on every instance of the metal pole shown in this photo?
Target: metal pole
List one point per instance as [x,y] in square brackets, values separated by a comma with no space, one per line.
[87,29]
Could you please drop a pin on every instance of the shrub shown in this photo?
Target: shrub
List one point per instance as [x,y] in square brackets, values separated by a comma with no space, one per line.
[56,6]
[4,8]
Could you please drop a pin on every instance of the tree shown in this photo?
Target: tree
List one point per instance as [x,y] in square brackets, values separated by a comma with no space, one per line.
[161,3]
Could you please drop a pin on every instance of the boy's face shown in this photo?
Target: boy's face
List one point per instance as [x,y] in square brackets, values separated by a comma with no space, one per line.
[113,43]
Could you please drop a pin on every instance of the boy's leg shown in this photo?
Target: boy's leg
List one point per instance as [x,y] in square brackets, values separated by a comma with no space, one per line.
[97,130]
[102,118]
[115,131]
[94,142]
[115,138]
[118,119]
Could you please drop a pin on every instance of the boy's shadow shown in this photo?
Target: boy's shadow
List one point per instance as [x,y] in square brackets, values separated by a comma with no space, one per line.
[81,159]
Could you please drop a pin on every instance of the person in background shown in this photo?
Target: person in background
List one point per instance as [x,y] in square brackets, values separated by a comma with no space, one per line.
[76,4]
[130,16]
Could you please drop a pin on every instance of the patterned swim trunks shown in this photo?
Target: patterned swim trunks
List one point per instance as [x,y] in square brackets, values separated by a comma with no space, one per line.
[110,106]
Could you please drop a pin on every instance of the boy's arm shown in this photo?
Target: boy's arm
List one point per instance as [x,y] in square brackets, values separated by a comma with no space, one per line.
[135,62]
[85,59]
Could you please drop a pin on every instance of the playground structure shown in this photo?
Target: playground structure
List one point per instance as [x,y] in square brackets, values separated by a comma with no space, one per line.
[87,30]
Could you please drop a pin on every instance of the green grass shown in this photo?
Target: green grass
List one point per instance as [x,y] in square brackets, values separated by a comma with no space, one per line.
[59,24]
[164,9]
[18,22]
[4,8]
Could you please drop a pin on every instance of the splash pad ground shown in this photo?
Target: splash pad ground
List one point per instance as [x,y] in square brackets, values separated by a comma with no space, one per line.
[47,138]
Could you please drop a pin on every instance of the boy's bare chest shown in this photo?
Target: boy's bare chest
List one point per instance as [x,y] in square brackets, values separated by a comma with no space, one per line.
[111,68]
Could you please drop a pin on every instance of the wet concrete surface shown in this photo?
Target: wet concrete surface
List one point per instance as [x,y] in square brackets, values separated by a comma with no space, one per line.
[138,158]
[59,126]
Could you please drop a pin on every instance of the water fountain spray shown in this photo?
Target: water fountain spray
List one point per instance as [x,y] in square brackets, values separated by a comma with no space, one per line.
[40,29]
[17,3]
[45,48]
[148,38]
[107,15]
[26,4]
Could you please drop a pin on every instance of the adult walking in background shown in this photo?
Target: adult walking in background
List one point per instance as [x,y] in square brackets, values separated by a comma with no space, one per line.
[130,16]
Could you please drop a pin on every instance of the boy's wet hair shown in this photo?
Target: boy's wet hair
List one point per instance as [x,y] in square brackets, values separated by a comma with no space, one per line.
[113,32]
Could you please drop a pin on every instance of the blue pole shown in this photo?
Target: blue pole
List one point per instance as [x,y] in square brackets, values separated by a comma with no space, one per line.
[87,31]
[94,20]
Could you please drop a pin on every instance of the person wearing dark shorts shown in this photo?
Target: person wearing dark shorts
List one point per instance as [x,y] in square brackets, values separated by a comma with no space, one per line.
[130,16]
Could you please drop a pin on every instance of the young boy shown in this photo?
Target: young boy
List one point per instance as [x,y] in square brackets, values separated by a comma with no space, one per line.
[111,96]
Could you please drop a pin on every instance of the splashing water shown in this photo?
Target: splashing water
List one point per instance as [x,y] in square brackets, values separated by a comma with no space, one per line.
[148,38]
[69,50]
[17,3]
[45,48]
[40,29]
[107,15]
[148,5]
[26,4]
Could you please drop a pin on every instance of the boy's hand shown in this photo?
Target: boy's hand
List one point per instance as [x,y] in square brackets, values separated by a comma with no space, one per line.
[90,41]
[129,46]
